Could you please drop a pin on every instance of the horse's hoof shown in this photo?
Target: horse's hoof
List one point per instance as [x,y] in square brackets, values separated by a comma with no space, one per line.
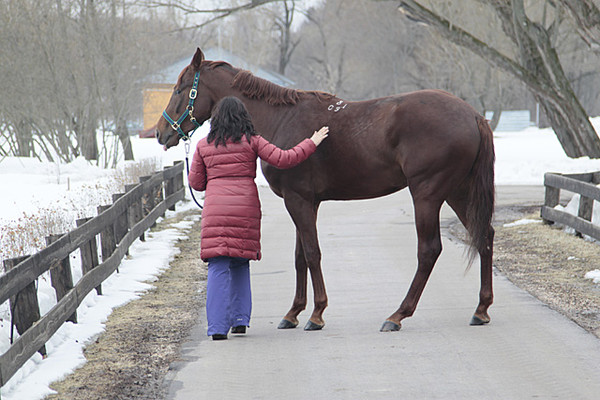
[389,326]
[311,326]
[476,321]
[285,324]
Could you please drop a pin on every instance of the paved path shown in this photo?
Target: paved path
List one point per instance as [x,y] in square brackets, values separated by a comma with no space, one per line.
[369,258]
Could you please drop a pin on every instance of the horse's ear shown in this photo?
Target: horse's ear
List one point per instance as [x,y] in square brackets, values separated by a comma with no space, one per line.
[198,58]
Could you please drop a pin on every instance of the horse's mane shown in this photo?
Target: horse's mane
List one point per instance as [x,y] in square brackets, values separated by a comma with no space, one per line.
[258,88]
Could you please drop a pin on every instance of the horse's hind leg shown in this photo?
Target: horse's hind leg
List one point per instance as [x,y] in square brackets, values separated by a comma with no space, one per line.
[486,294]
[427,219]
[308,255]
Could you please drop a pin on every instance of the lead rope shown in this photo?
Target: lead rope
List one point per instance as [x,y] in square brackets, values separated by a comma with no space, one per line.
[186,143]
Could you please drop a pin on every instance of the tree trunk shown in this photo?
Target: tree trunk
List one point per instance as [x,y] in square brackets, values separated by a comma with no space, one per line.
[123,134]
[91,145]
[85,132]
[24,140]
[286,44]
[566,117]
[495,118]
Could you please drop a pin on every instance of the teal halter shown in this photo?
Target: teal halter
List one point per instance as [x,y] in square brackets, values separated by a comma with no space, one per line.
[188,111]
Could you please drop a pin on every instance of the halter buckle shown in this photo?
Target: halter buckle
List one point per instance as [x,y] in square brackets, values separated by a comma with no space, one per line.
[193,93]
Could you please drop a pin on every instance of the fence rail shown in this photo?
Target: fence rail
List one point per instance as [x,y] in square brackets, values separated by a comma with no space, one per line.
[582,184]
[118,226]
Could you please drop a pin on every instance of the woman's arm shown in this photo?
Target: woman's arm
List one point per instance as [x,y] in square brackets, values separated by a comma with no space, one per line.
[197,176]
[288,158]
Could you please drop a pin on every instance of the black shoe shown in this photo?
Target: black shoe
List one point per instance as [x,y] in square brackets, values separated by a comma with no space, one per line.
[238,329]
[218,336]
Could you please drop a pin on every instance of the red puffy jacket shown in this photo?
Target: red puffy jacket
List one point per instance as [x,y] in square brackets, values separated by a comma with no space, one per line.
[231,214]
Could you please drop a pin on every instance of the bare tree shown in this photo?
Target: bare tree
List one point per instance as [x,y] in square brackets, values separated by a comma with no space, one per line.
[282,24]
[536,64]
[327,65]
[70,67]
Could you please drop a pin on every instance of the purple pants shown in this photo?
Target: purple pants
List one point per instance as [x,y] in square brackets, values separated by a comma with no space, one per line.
[228,296]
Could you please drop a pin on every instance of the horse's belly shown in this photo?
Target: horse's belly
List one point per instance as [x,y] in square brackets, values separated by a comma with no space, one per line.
[365,185]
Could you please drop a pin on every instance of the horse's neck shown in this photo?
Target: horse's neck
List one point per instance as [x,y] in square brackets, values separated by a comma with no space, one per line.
[266,118]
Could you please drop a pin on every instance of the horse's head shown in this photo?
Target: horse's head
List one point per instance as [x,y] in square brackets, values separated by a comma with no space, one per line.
[190,105]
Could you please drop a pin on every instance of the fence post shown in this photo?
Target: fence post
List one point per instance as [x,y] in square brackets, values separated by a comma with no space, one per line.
[552,197]
[89,254]
[24,306]
[61,276]
[135,210]
[158,192]
[107,238]
[169,188]
[586,206]
[122,222]
[139,207]
[148,198]
[179,180]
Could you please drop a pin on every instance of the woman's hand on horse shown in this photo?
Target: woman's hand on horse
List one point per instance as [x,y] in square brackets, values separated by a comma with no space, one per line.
[319,135]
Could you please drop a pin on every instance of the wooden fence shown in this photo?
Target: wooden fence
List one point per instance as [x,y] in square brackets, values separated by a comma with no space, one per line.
[117,225]
[584,185]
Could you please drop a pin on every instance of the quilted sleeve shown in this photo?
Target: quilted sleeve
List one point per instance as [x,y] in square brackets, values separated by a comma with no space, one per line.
[197,176]
[283,158]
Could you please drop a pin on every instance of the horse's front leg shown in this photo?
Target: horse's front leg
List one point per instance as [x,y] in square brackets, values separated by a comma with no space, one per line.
[304,215]
[299,304]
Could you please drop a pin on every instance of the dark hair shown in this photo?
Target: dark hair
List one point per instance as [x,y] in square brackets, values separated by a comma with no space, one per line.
[230,120]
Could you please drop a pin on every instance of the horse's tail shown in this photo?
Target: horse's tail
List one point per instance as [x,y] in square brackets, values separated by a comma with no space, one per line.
[480,207]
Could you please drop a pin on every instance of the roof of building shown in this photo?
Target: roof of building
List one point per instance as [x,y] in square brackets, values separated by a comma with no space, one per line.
[170,74]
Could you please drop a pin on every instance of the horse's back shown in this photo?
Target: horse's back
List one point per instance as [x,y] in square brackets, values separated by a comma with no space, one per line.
[436,110]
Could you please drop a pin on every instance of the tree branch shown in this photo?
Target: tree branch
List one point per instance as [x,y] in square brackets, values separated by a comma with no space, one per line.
[190,9]
[586,17]
[462,38]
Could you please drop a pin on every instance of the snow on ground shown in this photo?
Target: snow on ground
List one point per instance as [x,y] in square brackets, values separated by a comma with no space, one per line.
[522,158]
[523,221]
[593,275]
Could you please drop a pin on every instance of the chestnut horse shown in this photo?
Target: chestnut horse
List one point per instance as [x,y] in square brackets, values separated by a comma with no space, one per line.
[429,140]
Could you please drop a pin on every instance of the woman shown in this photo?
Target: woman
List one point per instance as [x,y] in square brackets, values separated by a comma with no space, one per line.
[224,164]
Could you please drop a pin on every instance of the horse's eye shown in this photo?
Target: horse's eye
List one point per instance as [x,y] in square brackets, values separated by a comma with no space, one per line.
[177,91]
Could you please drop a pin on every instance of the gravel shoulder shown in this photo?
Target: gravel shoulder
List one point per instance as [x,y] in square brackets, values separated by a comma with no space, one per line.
[551,264]
[132,357]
